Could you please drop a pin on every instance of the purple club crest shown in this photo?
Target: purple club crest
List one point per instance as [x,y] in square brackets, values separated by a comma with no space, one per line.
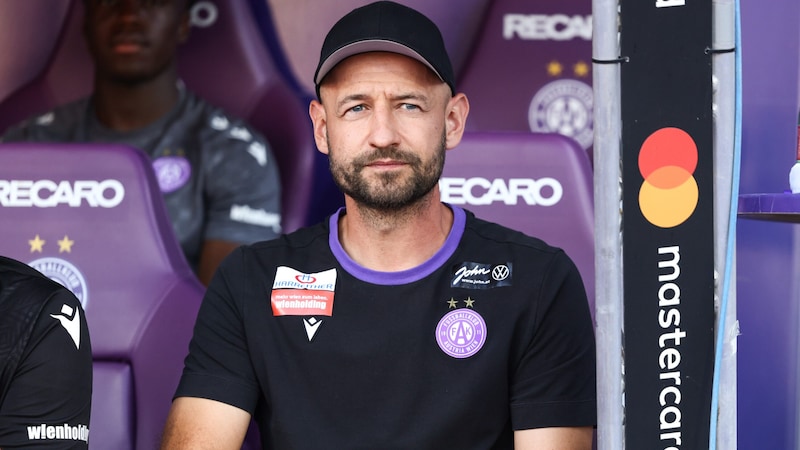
[461,333]
[172,172]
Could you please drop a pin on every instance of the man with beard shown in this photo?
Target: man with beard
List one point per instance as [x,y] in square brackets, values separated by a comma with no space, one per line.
[401,322]
[219,180]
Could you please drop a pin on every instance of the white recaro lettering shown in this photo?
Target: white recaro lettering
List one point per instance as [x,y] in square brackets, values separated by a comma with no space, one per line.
[480,191]
[538,27]
[48,193]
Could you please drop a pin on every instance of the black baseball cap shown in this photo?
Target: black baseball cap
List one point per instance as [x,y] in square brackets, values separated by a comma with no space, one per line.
[386,26]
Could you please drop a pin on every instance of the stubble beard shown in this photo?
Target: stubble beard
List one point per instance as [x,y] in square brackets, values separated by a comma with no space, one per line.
[388,192]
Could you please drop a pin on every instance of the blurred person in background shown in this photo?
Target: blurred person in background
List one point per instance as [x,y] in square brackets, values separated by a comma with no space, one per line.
[219,179]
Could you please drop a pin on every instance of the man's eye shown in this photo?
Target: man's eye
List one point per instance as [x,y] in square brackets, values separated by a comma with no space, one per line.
[357,108]
[410,107]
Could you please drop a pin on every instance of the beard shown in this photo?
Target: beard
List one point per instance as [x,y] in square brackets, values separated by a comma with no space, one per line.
[388,191]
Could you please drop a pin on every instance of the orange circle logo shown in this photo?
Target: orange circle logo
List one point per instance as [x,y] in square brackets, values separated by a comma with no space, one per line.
[669,193]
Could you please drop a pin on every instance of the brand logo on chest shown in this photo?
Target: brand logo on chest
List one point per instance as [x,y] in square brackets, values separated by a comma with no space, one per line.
[472,275]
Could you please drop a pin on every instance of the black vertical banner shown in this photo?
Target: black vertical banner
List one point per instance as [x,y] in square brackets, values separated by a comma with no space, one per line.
[668,233]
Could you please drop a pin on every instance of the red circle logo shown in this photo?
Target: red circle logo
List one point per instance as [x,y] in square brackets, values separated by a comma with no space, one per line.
[669,193]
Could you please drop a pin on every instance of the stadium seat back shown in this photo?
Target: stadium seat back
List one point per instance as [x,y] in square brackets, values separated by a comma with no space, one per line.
[224,60]
[540,184]
[92,218]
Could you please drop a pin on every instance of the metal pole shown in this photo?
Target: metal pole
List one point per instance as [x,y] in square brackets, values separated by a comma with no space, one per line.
[608,242]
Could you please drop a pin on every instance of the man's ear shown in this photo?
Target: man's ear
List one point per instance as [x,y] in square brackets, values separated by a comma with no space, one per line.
[455,119]
[320,125]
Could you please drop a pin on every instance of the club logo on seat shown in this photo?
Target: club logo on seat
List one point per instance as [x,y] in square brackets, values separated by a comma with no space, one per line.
[65,274]
[564,107]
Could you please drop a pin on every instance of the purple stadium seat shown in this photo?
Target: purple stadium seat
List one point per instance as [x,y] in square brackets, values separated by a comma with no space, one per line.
[530,69]
[228,63]
[540,184]
[21,63]
[92,218]
[301,27]
[224,61]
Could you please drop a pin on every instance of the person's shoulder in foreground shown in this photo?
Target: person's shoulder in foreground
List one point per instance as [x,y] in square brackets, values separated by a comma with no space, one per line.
[401,322]
[45,362]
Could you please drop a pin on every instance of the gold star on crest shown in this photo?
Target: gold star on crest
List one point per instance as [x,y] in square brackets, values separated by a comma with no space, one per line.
[554,68]
[581,69]
[469,302]
[65,245]
[452,302]
[36,244]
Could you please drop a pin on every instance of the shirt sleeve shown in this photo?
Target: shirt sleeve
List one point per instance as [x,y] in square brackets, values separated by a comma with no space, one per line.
[243,189]
[555,383]
[48,403]
[218,365]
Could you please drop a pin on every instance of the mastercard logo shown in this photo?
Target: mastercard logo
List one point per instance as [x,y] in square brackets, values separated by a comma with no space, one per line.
[667,161]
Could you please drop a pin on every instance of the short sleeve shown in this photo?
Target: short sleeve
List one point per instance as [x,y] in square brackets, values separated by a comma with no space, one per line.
[48,403]
[218,366]
[243,189]
[555,383]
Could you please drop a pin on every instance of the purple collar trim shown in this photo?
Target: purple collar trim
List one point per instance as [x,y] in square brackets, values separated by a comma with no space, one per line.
[404,276]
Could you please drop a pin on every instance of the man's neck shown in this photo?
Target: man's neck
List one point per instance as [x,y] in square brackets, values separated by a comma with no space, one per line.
[397,240]
[131,106]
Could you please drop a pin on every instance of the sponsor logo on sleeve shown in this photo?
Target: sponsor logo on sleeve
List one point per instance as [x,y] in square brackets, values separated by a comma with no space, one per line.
[253,216]
[472,275]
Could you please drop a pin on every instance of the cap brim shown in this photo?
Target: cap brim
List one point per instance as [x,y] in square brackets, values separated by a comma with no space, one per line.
[366,46]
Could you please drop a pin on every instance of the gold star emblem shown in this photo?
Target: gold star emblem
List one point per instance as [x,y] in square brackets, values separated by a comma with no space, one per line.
[581,69]
[469,302]
[452,302]
[65,245]
[36,244]
[554,68]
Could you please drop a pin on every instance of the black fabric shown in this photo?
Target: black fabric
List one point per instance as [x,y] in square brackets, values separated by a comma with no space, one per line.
[374,376]
[45,370]
[389,22]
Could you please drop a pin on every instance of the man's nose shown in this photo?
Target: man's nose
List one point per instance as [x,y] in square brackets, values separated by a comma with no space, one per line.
[384,131]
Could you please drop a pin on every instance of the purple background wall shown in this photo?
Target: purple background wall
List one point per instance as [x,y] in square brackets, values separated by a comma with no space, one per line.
[767,305]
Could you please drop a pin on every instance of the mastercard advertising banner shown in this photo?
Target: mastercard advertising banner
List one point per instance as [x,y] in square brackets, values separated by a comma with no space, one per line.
[668,232]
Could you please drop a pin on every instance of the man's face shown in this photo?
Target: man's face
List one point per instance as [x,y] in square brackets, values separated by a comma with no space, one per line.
[134,41]
[385,129]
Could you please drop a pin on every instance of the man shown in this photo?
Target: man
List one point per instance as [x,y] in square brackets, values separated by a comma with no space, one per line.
[402,322]
[220,182]
[45,362]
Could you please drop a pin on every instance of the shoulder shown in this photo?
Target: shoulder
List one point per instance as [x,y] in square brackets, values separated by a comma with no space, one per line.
[22,284]
[492,232]
[223,134]
[301,245]
[58,124]
[215,122]
[529,253]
